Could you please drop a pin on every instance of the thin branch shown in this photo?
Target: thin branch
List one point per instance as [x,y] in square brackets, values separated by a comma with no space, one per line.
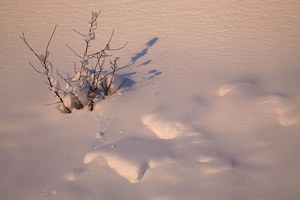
[120,86]
[79,33]
[85,53]
[91,105]
[49,104]
[50,86]
[56,88]
[75,68]
[34,68]
[44,60]
[101,53]
[73,51]
[113,67]
[107,47]
[76,97]
[63,78]
[46,51]
[97,73]
[111,36]
[62,101]
[25,41]
[120,68]
[95,17]
[119,47]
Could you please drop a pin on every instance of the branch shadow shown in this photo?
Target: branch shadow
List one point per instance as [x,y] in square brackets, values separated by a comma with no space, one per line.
[142,53]
[126,77]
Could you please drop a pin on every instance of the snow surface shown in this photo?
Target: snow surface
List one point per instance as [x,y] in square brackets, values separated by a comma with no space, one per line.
[211,110]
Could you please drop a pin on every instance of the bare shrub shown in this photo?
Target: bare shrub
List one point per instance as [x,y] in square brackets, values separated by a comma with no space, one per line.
[92,79]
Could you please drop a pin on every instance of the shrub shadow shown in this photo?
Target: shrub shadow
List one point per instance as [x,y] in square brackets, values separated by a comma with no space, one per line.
[126,77]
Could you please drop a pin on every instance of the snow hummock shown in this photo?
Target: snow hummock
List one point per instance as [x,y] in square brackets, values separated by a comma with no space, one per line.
[162,128]
[126,159]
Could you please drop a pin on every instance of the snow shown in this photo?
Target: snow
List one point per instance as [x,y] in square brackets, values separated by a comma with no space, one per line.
[210,109]
[164,130]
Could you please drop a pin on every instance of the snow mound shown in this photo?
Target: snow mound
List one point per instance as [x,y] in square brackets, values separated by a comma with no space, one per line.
[73,175]
[246,85]
[130,157]
[205,158]
[226,89]
[131,170]
[162,127]
[211,165]
[276,105]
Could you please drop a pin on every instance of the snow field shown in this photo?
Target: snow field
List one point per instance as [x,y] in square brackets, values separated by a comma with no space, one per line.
[132,158]
[210,109]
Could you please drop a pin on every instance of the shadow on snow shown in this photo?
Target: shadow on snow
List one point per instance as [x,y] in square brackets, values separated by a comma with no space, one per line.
[129,83]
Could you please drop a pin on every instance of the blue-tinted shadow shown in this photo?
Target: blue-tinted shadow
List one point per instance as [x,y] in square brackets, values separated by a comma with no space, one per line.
[126,80]
[153,73]
[138,55]
[152,42]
